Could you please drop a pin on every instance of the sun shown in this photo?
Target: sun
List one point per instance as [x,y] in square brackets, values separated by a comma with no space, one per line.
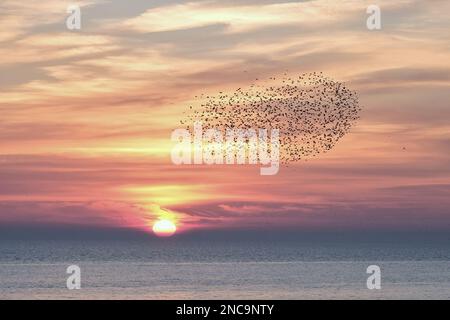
[164,228]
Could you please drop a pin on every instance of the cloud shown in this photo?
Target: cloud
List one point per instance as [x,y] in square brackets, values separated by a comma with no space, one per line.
[195,15]
[19,18]
[304,217]
[74,213]
[404,76]
[425,190]
[239,17]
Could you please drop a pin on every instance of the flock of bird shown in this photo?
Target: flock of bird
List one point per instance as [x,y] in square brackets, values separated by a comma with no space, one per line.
[311,111]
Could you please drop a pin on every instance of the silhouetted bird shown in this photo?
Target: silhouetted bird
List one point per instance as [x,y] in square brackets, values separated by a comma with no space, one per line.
[311,111]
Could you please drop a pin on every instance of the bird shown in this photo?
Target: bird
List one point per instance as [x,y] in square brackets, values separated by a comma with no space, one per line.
[311,111]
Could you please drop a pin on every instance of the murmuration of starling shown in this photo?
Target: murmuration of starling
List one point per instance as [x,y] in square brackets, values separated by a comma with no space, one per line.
[312,112]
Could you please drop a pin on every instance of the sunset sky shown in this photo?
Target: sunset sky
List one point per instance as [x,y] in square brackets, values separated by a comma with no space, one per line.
[86,116]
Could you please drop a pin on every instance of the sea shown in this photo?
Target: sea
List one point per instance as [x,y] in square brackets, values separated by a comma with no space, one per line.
[225,269]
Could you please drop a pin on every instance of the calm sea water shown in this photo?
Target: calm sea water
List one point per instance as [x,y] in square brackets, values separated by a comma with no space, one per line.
[222,270]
